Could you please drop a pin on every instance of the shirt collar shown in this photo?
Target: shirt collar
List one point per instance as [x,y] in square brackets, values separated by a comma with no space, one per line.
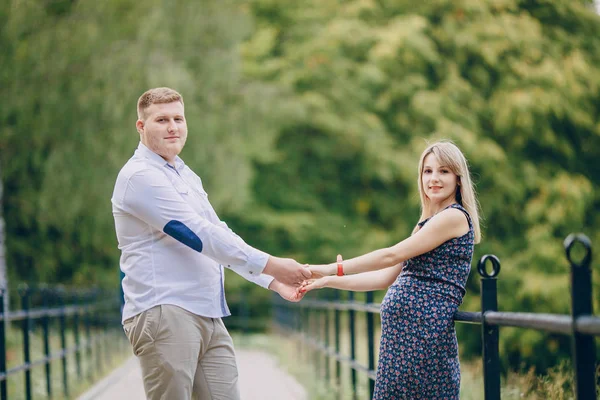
[156,159]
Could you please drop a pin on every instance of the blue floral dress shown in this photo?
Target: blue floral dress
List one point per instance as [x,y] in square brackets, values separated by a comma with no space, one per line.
[418,354]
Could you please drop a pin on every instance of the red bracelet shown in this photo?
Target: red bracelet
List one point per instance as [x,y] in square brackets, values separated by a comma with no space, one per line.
[340,265]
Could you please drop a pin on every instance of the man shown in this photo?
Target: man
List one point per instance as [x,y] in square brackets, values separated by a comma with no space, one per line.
[173,249]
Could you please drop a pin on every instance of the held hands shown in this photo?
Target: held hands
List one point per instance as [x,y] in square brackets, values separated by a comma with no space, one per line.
[287,292]
[312,284]
[320,275]
[319,271]
[287,271]
[293,280]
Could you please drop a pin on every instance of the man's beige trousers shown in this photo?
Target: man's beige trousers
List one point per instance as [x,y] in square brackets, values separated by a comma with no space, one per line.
[183,356]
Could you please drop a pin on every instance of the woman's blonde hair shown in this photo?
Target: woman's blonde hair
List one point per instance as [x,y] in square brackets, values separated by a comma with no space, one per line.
[449,155]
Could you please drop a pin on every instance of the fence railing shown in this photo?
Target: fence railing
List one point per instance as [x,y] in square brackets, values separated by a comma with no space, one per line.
[89,318]
[310,323]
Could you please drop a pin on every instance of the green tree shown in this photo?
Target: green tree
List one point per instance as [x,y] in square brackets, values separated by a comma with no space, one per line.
[306,122]
[514,83]
[73,72]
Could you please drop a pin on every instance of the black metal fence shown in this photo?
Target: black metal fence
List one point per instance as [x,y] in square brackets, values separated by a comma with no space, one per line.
[91,319]
[311,322]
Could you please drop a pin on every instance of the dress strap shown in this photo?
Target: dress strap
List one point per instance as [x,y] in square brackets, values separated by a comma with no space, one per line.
[453,205]
[461,208]
[423,222]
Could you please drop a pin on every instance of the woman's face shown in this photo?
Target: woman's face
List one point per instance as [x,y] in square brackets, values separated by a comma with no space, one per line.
[439,182]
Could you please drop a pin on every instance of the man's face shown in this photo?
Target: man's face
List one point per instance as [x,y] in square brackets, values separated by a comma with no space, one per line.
[164,130]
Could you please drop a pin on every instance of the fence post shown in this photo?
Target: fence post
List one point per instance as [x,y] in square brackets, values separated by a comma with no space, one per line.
[297,326]
[583,348]
[338,364]
[76,303]
[371,340]
[107,315]
[3,325]
[46,329]
[97,336]
[306,333]
[88,336]
[489,334]
[352,324]
[24,292]
[327,344]
[63,339]
[316,334]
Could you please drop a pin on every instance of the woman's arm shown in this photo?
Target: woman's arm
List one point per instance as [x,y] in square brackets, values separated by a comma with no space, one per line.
[366,281]
[448,224]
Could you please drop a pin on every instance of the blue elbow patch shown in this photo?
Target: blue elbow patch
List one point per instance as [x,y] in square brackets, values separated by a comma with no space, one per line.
[178,231]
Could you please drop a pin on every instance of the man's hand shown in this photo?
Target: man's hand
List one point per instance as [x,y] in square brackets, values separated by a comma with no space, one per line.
[287,292]
[287,271]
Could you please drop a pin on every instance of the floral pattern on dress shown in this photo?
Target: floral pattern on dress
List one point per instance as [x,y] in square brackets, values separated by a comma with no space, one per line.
[418,354]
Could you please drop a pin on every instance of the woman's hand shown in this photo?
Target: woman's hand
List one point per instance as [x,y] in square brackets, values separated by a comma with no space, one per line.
[312,284]
[319,271]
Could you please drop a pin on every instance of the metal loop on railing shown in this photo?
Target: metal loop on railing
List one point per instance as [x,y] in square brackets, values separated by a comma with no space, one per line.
[495,266]
[570,242]
[24,289]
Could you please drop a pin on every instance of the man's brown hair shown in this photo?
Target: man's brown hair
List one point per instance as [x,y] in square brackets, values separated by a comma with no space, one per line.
[161,95]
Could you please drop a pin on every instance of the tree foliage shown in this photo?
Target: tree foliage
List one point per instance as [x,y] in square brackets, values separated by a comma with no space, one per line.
[69,126]
[306,122]
[514,83]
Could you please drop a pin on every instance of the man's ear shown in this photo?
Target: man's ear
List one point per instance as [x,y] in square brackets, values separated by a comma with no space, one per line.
[139,126]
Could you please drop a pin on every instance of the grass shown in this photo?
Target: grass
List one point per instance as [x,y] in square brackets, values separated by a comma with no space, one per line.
[556,384]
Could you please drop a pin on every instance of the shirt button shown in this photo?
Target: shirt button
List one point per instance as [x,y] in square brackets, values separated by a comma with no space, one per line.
[251,273]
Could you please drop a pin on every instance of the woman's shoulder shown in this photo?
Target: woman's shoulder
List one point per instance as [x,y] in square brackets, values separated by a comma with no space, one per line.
[452,219]
[463,210]
[454,213]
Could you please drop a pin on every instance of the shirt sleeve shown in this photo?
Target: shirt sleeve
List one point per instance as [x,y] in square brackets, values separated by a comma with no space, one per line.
[261,280]
[223,225]
[151,197]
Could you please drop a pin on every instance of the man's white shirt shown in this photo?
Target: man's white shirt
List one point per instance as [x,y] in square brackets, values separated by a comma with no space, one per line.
[173,244]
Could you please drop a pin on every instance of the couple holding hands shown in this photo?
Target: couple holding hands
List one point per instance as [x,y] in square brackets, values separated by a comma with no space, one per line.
[174,248]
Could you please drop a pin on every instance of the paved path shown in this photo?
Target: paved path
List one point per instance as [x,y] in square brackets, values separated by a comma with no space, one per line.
[260,379]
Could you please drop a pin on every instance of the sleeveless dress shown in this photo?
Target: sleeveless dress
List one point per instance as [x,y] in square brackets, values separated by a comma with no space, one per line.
[418,354]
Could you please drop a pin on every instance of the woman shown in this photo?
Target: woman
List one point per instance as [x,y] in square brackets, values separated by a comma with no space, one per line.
[418,356]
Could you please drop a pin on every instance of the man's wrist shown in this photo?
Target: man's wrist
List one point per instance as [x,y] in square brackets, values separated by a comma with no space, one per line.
[270,265]
[258,261]
[274,285]
[265,281]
